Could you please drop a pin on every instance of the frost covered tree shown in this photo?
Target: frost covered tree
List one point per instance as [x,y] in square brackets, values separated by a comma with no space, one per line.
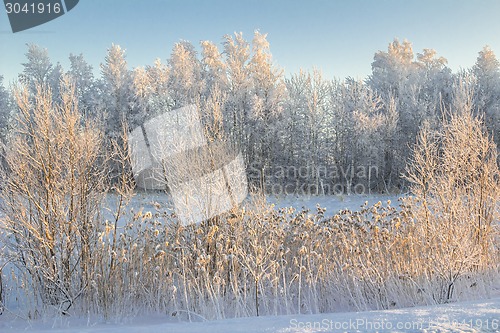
[5,111]
[435,80]
[365,147]
[117,90]
[39,70]
[255,96]
[424,80]
[86,88]
[395,76]
[268,81]
[158,77]
[214,95]
[307,123]
[142,92]
[394,68]
[268,92]
[359,123]
[213,66]
[487,69]
[237,57]
[185,78]
[341,132]
[399,66]
[151,95]
[55,80]
[419,86]
[487,72]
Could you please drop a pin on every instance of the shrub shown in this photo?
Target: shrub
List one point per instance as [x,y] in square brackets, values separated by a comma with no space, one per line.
[52,196]
[455,180]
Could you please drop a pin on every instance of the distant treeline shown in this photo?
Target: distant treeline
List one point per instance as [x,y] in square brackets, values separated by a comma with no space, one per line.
[305,123]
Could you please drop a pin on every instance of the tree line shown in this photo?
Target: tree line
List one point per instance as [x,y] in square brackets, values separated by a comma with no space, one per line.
[298,133]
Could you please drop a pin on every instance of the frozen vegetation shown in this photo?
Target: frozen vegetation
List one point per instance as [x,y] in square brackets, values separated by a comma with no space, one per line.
[374,200]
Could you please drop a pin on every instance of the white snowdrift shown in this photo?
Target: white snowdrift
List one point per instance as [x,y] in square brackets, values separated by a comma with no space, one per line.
[471,317]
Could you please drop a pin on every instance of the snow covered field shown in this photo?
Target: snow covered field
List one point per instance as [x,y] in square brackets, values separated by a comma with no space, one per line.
[466,317]
[154,200]
[332,203]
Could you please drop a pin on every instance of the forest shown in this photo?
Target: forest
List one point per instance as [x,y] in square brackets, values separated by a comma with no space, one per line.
[303,132]
[70,243]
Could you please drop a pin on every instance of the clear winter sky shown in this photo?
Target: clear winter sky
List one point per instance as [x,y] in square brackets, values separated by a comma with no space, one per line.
[339,37]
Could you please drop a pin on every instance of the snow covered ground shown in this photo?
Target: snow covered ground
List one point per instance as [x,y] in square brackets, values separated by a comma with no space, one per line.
[154,200]
[472,317]
[465,317]
[332,203]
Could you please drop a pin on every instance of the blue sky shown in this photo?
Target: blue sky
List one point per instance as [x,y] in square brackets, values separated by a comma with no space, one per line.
[339,37]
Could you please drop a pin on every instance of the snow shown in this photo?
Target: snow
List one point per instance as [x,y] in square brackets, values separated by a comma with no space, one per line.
[332,203]
[471,317]
[159,201]
[151,200]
